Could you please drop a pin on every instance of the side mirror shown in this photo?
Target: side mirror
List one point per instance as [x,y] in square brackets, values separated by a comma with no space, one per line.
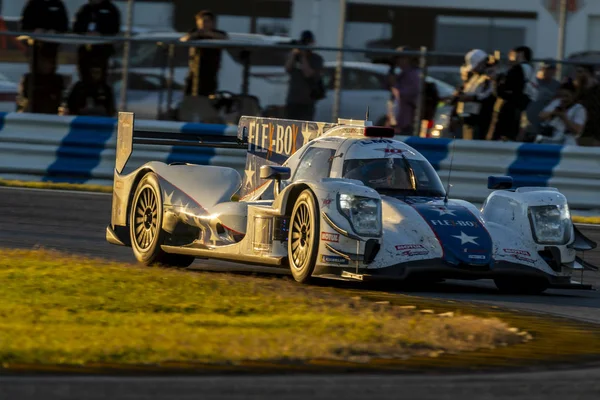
[275,172]
[500,182]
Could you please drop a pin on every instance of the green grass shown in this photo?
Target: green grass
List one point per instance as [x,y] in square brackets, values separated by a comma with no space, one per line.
[56,186]
[58,309]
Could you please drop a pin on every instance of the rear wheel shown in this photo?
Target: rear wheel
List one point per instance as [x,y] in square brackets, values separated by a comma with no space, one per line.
[303,243]
[521,285]
[145,222]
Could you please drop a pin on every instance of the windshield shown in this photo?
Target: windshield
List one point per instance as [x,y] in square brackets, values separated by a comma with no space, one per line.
[393,175]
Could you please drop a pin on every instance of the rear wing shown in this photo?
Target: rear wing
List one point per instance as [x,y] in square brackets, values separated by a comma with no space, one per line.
[128,135]
[271,141]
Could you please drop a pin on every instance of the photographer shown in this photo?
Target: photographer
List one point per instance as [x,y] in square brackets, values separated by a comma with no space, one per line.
[563,119]
[514,90]
[306,85]
[476,102]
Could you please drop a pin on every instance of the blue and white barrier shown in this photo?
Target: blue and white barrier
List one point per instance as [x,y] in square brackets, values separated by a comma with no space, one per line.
[37,147]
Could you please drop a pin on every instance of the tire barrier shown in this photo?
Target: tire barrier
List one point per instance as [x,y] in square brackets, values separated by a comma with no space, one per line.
[35,147]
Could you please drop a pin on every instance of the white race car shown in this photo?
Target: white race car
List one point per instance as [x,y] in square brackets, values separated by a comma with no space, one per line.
[341,200]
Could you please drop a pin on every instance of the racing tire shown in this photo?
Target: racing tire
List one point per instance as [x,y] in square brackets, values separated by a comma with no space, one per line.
[512,285]
[145,222]
[303,240]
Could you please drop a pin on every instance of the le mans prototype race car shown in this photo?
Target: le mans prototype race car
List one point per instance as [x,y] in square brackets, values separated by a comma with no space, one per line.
[342,200]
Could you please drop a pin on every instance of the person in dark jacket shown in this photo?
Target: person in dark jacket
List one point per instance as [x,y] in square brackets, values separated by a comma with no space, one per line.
[46,87]
[513,96]
[97,17]
[205,63]
[92,96]
[44,16]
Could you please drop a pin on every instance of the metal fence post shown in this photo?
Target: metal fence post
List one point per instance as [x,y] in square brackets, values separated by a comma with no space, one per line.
[126,52]
[339,70]
[170,79]
[562,27]
[421,98]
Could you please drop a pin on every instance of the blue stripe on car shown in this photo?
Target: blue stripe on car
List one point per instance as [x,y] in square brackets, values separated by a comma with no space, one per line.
[435,151]
[81,149]
[535,164]
[462,236]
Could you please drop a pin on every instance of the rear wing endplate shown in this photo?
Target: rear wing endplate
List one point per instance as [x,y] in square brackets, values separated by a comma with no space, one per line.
[127,136]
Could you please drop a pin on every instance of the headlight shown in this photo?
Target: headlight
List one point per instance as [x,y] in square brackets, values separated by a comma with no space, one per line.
[364,213]
[550,224]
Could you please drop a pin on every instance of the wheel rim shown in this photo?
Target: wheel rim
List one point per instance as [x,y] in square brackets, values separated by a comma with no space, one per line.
[146,215]
[301,236]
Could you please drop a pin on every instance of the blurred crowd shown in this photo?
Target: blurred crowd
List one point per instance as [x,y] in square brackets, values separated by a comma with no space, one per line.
[514,102]
[524,104]
[42,89]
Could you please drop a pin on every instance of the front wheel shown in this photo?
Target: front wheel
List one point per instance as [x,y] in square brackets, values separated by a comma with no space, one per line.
[303,241]
[145,226]
[521,285]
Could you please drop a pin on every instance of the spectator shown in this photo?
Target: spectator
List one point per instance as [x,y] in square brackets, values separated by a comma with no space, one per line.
[204,63]
[563,119]
[515,91]
[43,16]
[477,100]
[405,89]
[97,17]
[92,95]
[305,69]
[547,88]
[455,126]
[46,87]
[588,90]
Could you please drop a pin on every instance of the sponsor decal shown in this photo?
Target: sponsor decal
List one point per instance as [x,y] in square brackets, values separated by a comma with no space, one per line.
[449,222]
[525,259]
[476,257]
[517,252]
[330,237]
[376,141]
[390,151]
[411,250]
[326,202]
[521,255]
[334,260]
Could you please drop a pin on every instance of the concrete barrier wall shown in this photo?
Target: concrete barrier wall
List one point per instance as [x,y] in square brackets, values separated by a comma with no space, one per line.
[37,147]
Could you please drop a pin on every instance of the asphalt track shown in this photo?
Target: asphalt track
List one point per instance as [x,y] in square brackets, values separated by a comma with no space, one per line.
[75,222]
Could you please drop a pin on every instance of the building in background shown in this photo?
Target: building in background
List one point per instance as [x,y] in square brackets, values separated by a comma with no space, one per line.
[444,25]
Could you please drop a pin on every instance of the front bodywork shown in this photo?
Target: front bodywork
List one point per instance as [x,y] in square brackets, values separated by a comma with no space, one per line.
[417,235]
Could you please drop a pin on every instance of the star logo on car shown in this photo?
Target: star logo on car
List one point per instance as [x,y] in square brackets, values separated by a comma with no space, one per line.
[444,211]
[464,239]
[326,201]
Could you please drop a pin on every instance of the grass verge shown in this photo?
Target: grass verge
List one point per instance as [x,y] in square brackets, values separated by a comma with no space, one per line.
[58,309]
[56,186]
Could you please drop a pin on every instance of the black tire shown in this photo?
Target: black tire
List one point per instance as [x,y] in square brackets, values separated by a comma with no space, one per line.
[303,241]
[145,222]
[521,285]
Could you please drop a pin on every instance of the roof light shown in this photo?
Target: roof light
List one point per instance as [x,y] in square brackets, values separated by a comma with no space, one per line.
[379,131]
